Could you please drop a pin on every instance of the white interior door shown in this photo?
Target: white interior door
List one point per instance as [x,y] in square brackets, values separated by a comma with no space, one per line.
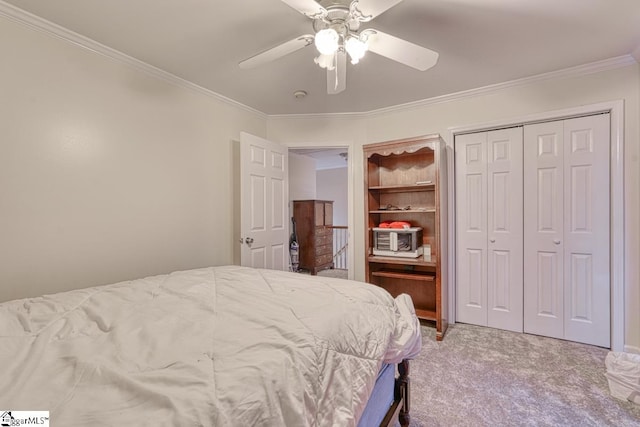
[544,228]
[489,228]
[471,226]
[504,217]
[264,223]
[586,222]
[567,285]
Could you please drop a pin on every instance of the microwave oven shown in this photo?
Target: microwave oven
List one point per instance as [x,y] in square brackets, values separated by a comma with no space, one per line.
[398,242]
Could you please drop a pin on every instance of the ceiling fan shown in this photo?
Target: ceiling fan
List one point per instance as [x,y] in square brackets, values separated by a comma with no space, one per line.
[337,33]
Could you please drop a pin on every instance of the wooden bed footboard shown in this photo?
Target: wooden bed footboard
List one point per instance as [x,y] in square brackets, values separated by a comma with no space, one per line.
[402,397]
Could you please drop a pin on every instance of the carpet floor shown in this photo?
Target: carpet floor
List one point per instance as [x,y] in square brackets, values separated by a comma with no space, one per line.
[330,272]
[487,377]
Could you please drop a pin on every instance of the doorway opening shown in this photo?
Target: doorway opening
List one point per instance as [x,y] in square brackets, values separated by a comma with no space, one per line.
[322,174]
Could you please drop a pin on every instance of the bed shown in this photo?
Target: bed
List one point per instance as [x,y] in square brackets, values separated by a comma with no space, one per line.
[219,346]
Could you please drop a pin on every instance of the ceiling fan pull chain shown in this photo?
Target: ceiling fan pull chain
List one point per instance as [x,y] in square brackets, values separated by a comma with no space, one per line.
[335,67]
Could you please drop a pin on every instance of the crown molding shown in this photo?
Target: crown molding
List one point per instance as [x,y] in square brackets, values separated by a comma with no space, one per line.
[39,24]
[578,71]
[572,72]
[636,54]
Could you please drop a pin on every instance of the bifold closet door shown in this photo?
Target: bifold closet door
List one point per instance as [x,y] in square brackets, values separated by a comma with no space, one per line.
[471,227]
[566,241]
[489,228]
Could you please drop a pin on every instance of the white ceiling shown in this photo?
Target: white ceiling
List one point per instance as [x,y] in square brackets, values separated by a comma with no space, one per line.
[480,42]
[325,158]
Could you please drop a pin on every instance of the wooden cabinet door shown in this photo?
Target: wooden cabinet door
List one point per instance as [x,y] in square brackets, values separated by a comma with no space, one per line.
[328,213]
[323,213]
[319,214]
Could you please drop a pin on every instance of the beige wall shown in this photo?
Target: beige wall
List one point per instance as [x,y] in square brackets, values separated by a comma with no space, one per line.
[332,185]
[302,177]
[497,105]
[106,173]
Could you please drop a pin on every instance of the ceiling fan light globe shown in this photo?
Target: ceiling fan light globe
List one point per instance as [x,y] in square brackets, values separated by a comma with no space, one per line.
[325,61]
[356,49]
[327,41]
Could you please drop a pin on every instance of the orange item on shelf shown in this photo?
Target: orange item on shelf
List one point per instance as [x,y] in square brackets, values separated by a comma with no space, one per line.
[400,224]
[394,224]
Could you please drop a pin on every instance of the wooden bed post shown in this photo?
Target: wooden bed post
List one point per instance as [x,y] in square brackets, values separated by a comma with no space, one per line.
[404,391]
[400,408]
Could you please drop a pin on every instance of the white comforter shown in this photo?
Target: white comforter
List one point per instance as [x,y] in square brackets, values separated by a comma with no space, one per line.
[222,346]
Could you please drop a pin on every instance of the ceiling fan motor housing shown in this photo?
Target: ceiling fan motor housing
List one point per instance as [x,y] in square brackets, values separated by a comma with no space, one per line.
[339,18]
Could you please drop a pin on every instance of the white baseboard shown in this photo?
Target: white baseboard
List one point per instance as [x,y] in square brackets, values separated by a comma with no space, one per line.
[631,349]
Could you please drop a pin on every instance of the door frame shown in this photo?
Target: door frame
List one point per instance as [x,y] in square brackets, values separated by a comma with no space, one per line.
[350,210]
[617,250]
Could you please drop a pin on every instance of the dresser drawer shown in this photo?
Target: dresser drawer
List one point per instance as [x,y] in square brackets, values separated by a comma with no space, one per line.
[323,239]
[323,231]
[324,259]
[324,250]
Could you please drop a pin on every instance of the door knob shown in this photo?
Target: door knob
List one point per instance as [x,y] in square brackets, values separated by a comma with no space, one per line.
[248,240]
[556,241]
[492,240]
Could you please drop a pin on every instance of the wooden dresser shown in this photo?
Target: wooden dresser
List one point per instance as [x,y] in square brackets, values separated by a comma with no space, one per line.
[315,235]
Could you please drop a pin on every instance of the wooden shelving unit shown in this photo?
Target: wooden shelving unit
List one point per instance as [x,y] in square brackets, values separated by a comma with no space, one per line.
[404,182]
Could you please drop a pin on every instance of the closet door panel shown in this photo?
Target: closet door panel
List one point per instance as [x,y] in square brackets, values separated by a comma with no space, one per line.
[543,229]
[586,218]
[471,225]
[547,296]
[504,174]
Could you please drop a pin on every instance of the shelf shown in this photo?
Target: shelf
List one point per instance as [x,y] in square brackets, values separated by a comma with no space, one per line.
[403,188]
[395,211]
[402,261]
[410,275]
[426,314]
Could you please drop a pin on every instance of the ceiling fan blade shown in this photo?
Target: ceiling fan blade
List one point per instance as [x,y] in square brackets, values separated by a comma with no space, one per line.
[337,78]
[369,9]
[277,52]
[400,50]
[309,8]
